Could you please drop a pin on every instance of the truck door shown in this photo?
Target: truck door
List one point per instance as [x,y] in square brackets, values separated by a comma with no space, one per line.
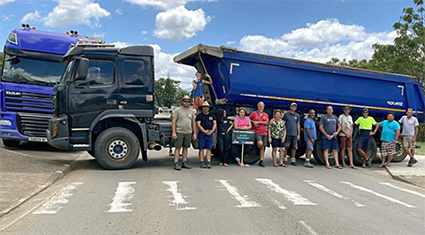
[95,94]
[136,85]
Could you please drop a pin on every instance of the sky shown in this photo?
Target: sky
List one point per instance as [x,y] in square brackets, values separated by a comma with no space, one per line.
[314,30]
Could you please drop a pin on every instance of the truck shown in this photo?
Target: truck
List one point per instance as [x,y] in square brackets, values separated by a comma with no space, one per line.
[31,68]
[242,79]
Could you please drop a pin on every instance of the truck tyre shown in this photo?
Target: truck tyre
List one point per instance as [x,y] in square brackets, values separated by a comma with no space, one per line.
[116,148]
[11,143]
[318,153]
[400,154]
[357,158]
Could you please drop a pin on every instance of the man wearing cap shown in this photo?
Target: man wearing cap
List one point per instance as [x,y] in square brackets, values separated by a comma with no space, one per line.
[365,138]
[346,136]
[206,123]
[182,125]
[260,120]
[409,134]
[292,120]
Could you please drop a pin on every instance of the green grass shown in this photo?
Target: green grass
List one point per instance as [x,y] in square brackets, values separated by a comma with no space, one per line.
[422,149]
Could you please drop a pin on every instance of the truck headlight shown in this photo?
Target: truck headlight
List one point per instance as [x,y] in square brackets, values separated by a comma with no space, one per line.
[54,129]
[5,122]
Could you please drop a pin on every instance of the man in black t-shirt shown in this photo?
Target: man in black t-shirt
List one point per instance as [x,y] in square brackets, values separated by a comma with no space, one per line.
[206,124]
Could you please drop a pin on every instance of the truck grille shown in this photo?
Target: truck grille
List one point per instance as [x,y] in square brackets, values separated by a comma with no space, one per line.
[33,125]
[30,103]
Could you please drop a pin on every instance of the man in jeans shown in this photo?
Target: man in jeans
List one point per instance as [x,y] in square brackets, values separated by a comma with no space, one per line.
[292,120]
[409,134]
[260,120]
[182,125]
[330,127]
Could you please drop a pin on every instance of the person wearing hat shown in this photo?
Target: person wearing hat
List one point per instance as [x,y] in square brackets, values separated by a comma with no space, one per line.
[365,124]
[346,137]
[292,120]
[183,125]
[207,124]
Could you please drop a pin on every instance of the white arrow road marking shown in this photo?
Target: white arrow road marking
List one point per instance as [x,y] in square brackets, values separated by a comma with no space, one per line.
[289,195]
[405,190]
[124,193]
[377,194]
[331,192]
[55,203]
[243,200]
[178,200]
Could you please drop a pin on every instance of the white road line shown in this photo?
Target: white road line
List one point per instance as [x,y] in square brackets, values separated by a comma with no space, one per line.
[405,190]
[179,200]
[279,205]
[377,194]
[243,200]
[55,203]
[123,195]
[331,192]
[308,228]
[289,195]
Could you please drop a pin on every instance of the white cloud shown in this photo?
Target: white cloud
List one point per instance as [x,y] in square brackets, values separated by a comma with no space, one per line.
[320,42]
[120,44]
[75,12]
[7,17]
[144,32]
[4,2]
[178,23]
[32,16]
[230,42]
[119,11]
[164,4]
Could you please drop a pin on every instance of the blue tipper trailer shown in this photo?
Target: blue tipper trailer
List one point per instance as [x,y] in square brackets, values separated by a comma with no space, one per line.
[242,79]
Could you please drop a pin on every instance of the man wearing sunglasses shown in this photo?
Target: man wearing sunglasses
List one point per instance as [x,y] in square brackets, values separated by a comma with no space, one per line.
[365,124]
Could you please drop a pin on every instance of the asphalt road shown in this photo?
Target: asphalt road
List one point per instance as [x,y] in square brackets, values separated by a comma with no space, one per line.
[152,198]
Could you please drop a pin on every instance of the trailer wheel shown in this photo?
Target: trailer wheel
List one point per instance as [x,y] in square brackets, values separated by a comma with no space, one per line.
[11,143]
[400,154]
[117,148]
[357,158]
[252,156]
[318,153]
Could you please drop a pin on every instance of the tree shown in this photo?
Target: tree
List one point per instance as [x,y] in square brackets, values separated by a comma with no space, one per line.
[1,59]
[168,92]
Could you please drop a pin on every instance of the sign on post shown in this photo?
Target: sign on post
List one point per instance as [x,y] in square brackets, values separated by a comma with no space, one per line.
[243,137]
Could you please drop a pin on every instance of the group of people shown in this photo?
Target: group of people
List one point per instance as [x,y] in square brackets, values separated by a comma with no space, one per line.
[283,133]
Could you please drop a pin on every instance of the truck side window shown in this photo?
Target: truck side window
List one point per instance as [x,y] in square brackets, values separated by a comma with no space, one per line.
[134,73]
[101,72]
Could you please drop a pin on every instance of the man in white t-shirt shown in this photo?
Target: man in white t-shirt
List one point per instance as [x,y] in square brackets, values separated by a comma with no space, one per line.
[409,134]
[346,137]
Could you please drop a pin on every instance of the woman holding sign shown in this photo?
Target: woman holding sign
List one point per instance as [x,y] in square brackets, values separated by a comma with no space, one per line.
[242,122]
[277,135]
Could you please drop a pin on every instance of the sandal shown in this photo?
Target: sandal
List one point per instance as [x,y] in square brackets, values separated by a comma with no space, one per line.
[283,165]
[353,167]
[275,164]
[338,166]
[382,165]
[328,167]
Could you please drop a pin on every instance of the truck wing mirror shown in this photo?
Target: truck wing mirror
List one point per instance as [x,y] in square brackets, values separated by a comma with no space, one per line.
[83,67]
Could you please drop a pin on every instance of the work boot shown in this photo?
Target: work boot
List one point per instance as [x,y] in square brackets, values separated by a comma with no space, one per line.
[203,165]
[412,162]
[293,162]
[261,163]
[185,165]
[308,164]
[177,166]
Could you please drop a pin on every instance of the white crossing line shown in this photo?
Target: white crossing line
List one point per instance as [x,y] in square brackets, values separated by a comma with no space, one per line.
[243,200]
[124,193]
[289,195]
[331,192]
[55,203]
[377,194]
[405,190]
[308,227]
[279,205]
[178,200]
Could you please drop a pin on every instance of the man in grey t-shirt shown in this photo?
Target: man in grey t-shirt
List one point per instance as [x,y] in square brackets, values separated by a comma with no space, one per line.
[292,121]
[409,134]
[330,126]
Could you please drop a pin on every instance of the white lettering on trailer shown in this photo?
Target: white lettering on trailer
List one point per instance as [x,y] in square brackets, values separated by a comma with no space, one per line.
[289,195]
[55,203]
[377,194]
[231,66]
[331,192]
[124,193]
[405,190]
[402,89]
[178,199]
[243,200]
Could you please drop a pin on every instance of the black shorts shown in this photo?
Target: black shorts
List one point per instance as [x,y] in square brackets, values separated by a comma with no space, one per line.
[277,143]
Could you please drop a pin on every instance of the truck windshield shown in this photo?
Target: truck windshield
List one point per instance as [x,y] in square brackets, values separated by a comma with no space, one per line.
[31,71]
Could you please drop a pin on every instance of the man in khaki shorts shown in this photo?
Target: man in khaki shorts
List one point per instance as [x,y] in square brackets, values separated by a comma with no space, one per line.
[183,125]
[409,134]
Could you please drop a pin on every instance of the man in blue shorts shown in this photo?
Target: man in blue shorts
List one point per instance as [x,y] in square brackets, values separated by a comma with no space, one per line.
[365,137]
[206,124]
[330,126]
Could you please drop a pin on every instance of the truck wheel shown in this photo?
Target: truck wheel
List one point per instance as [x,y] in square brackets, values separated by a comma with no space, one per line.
[11,143]
[400,154]
[252,156]
[357,158]
[116,148]
[300,151]
[318,153]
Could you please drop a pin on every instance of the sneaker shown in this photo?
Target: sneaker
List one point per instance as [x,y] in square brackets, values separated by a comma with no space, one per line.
[203,165]
[412,162]
[185,165]
[177,166]
[364,165]
[261,163]
[308,164]
[293,162]
[208,165]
